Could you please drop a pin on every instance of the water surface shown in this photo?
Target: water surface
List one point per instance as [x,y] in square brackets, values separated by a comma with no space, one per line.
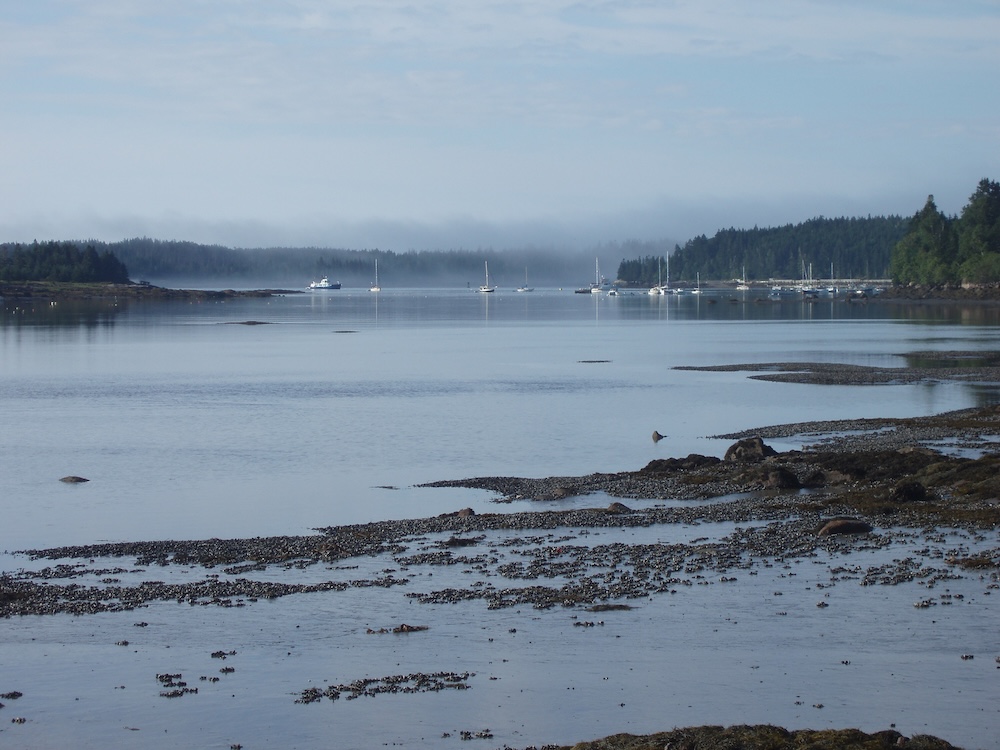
[190,425]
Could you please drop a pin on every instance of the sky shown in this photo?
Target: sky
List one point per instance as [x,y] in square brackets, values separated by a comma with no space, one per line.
[446,124]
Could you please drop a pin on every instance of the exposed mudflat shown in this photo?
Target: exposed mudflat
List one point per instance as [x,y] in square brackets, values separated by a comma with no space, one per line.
[895,479]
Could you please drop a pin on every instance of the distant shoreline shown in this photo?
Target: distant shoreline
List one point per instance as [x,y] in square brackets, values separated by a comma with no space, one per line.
[55,290]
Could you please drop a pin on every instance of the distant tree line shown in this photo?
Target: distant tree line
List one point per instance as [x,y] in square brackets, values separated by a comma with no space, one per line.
[164,260]
[60,261]
[929,248]
[939,249]
[844,247]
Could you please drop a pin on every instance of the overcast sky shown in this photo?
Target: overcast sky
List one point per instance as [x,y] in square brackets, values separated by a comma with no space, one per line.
[463,123]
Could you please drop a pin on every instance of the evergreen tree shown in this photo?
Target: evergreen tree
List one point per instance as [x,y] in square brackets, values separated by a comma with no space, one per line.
[926,255]
[979,235]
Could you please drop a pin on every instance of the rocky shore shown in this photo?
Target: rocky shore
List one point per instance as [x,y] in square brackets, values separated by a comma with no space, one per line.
[943,292]
[762,737]
[55,291]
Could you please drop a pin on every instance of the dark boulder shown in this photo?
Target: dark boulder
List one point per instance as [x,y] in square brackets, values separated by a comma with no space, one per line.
[749,449]
[463,513]
[780,478]
[617,507]
[74,480]
[908,492]
[670,465]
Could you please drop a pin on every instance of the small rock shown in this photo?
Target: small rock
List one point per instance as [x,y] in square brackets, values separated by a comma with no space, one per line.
[73,480]
[845,526]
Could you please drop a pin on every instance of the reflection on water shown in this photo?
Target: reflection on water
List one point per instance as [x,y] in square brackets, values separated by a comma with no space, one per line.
[59,314]
[404,306]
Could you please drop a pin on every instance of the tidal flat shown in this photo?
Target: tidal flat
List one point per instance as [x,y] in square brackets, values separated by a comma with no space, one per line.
[695,577]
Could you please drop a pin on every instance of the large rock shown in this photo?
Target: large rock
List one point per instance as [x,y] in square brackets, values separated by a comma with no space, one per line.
[749,449]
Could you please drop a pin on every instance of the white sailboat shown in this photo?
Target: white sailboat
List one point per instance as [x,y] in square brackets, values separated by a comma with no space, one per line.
[375,287]
[526,288]
[743,286]
[697,290]
[658,290]
[600,283]
[486,288]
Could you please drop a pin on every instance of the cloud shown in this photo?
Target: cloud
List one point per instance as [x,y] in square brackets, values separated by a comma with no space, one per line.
[439,119]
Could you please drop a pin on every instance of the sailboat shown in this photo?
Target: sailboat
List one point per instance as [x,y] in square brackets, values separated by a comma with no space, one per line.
[526,288]
[698,289]
[743,285]
[375,287]
[600,283]
[657,290]
[486,288]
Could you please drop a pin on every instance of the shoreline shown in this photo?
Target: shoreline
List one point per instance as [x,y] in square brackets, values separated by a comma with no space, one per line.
[52,290]
[49,290]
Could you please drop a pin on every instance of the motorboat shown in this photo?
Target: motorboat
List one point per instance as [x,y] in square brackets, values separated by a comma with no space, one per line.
[324,283]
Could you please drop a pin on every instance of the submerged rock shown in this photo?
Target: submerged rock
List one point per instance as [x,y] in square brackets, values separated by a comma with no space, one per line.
[845,526]
[74,480]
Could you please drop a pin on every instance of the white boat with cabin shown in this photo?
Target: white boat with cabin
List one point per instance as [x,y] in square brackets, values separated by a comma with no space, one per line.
[324,283]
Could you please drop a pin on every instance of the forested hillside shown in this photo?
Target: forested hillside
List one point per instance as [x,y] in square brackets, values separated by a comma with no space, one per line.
[60,261]
[939,249]
[852,247]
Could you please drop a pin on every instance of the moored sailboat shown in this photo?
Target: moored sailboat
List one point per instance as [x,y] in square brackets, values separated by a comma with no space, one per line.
[526,288]
[486,288]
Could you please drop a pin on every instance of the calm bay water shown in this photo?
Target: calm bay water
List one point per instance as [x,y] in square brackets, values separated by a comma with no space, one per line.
[190,425]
